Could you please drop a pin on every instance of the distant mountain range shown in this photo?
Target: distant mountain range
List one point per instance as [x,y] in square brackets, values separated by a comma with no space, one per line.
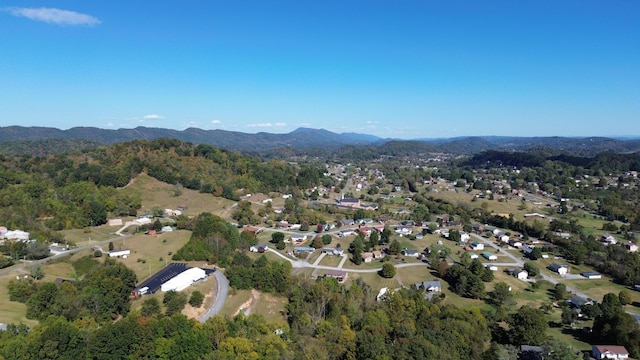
[309,141]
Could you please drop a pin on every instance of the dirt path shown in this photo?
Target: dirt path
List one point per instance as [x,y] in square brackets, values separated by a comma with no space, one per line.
[246,306]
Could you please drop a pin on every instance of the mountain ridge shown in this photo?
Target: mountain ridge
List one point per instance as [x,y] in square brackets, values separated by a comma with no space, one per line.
[311,140]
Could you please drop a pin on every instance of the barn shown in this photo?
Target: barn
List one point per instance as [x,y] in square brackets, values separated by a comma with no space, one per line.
[184,279]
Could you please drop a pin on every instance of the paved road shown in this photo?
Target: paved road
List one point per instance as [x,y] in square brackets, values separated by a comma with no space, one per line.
[300,264]
[221,296]
[518,261]
[62,254]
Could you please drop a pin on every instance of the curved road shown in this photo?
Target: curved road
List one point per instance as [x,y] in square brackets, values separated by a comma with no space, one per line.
[221,296]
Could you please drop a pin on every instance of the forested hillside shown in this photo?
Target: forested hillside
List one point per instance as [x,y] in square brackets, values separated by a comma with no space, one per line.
[76,190]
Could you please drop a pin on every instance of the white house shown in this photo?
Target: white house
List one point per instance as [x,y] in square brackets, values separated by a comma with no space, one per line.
[142,221]
[609,352]
[489,256]
[120,253]
[464,237]
[476,245]
[411,253]
[259,248]
[562,270]
[521,274]
[166,229]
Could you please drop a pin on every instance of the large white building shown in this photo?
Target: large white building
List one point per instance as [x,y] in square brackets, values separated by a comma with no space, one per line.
[184,279]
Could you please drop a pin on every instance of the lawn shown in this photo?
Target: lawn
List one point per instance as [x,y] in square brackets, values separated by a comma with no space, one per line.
[331,260]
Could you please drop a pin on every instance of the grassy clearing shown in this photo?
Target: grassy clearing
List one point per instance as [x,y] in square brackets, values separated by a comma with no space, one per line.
[267,305]
[12,311]
[154,193]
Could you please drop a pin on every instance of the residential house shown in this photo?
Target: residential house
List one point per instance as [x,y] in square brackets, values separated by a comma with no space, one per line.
[252,229]
[502,236]
[166,228]
[464,237]
[473,256]
[476,246]
[347,232]
[403,230]
[521,274]
[367,257]
[515,243]
[347,222]
[492,267]
[529,352]
[259,248]
[631,247]
[364,230]
[562,270]
[333,251]
[609,352]
[429,286]
[411,253]
[339,275]
[607,240]
[348,202]
[591,275]
[120,253]
[578,301]
[307,249]
[477,228]
[298,239]
[489,256]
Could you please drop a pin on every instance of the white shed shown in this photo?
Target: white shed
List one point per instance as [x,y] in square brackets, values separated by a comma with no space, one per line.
[184,279]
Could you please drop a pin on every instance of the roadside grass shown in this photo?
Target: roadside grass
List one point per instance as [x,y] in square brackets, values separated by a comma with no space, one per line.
[12,311]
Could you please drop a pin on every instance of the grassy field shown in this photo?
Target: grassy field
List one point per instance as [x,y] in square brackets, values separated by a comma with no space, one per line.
[154,250]
[154,193]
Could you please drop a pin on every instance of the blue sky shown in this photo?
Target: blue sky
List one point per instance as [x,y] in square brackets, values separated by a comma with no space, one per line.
[404,69]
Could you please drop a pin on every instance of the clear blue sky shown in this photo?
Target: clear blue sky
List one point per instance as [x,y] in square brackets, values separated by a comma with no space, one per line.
[404,69]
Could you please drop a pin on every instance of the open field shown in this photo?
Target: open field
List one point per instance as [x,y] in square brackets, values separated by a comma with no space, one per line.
[150,249]
[154,193]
